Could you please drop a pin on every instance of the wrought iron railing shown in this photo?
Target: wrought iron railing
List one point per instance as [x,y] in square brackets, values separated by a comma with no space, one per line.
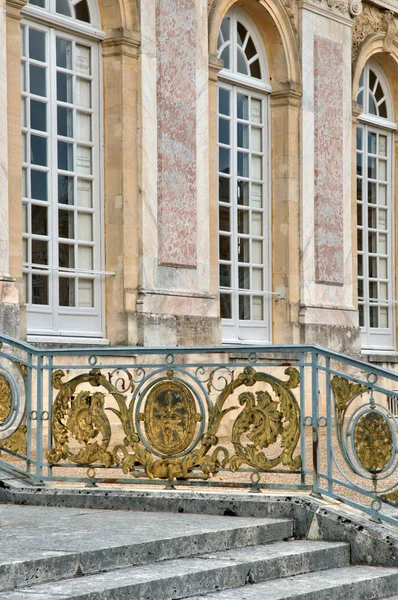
[291,417]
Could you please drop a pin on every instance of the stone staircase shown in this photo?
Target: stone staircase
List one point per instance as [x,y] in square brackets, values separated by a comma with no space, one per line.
[51,553]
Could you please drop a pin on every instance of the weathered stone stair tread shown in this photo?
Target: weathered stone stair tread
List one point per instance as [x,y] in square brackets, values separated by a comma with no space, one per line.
[42,544]
[183,577]
[355,583]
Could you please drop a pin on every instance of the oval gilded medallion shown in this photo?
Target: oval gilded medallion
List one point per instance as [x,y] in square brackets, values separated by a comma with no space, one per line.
[373,441]
[5,399]
[170,417]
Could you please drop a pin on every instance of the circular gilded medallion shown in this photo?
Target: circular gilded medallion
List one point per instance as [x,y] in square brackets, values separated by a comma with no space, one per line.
[5,399]
[373,441]
[170,417]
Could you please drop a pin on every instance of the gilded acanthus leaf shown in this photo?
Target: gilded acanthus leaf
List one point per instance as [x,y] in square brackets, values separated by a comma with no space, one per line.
[345,390]
[17,441]
[5,399]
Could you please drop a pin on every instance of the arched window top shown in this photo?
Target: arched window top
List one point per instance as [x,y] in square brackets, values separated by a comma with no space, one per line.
[373,93]
[79,11]
[240,47]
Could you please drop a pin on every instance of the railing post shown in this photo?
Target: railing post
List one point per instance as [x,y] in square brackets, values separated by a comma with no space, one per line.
[39,421]
[329,428]
[315,425]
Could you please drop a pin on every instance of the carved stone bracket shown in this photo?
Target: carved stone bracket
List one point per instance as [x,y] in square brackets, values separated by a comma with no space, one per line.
[373,20]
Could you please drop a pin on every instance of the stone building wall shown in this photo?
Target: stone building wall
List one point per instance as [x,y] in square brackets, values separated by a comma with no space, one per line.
[159,77]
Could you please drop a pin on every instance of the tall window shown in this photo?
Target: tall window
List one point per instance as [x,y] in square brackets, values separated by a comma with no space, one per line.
[243,167]
[61,163]
[375,211]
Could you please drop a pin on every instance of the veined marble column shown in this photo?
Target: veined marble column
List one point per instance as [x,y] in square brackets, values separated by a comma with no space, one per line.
[175,304]
[9,307]
[326,295]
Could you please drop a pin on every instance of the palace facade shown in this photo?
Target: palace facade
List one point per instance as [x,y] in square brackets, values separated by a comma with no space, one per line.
[184,172]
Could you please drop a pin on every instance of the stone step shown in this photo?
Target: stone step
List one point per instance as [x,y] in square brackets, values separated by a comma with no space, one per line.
[184,577]
[355,583]
[40,544]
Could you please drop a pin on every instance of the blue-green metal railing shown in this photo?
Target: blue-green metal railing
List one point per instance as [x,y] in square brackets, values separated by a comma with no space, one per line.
[256,417]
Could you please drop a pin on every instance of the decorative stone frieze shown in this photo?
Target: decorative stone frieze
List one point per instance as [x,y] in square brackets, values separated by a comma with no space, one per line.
[343,8]
[373,20]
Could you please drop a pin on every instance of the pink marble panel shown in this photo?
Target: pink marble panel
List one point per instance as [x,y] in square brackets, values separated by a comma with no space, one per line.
[176,101]
[328,149]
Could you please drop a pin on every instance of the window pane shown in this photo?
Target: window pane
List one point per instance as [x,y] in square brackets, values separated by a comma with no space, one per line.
[256,167]
[243,164]
[243,135]
[256,195]
[66,256]
[85,257]
[242,107]
[243,193]
[255,111]
[372,143]
[225,248]
[224,160]
[241,63]
[65,224]
[83,60]
[223,101]
[39,289]
[257,279]
[66,291]
[65,189]
[256,141]
[382,145]
[257,223]
[243,221]
[383,316]
[223,189]
[39,219]
[371,167]
[84,165]
[243,250]
[225,306]
[38,150]
[257,250]
[83,92]
[225,275]
[39,252]
[223,131]
[63,7]
[244,308]
[372,193]
[64,87]
[258,308]
[38,115]
[37,80]
[86,293]
[82,12]
[224,220]
[85,227]
[64,53]
[38,185]
[84,192]
[65,156]
[244,278]
[37,45]
[64,121]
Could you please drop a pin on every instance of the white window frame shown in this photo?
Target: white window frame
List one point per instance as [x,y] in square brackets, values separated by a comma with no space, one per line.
[50,322]
[377,338]
[234,330]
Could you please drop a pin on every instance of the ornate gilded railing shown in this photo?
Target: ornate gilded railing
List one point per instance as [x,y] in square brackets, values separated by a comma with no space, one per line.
[291,417]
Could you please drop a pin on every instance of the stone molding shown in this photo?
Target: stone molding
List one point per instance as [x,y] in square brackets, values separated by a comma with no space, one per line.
[14,7]
[121,42]
[287,97]
[374,20]
[341,9]
[215,66]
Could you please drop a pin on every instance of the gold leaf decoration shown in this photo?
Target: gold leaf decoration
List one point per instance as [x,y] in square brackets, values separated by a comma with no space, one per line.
[391,497]
[5,398]
[373,441]
[345,390]
[17,441]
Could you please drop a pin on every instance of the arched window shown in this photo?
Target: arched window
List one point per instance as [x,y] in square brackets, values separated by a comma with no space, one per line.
[375,211]
[61,168]
[243,168]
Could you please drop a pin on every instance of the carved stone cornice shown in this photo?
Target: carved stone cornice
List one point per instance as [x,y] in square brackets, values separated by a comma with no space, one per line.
[374,20]
[289,95]
[215,66]
[14,7]
[341,9]
[121,42]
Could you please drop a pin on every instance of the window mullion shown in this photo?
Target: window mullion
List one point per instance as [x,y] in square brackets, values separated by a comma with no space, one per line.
[53,180]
